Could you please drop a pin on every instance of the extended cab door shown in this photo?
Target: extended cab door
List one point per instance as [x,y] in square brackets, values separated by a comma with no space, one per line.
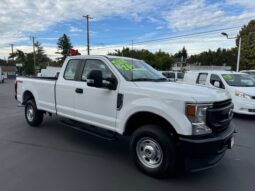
[65,89]
[202,78]
[96,106]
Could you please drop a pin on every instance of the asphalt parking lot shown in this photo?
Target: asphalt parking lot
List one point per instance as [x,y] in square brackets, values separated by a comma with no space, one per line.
[55,157]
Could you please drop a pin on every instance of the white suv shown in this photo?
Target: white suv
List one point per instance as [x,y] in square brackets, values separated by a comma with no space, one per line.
[250,72]
[240,86]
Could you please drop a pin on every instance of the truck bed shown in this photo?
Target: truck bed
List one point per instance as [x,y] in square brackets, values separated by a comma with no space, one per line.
[40,78]
[43,90]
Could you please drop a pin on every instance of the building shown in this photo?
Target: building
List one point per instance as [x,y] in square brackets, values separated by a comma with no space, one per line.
[9,70]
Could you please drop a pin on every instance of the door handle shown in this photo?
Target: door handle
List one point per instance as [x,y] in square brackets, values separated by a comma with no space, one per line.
[79,90]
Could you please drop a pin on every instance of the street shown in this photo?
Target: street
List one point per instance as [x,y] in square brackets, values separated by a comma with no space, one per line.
[55,157]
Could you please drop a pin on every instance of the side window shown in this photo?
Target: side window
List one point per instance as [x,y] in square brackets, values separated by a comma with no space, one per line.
[171,75]
[202,78]
[215,78]
[71,69]
[180,75]
[96,65]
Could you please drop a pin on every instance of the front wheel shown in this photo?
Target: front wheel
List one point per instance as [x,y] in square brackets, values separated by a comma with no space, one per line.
[33,116]
[153,151]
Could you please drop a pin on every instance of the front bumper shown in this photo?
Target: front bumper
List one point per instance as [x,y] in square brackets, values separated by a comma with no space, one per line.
[242,106]
[205,152]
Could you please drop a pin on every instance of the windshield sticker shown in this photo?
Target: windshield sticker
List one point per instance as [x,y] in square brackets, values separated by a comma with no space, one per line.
[137,71]
[228,76]
[122,64]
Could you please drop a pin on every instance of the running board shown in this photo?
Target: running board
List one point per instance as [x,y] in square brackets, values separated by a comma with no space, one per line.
[90,129]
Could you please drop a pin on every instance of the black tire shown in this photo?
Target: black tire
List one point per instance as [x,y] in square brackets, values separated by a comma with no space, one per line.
[36,118]
[166,163]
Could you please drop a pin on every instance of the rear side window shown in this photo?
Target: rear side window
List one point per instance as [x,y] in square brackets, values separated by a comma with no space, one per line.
[71,69]
[202,78]
[169,74]
[180,75]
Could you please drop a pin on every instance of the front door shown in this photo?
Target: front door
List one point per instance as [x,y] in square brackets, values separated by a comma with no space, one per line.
[96,106]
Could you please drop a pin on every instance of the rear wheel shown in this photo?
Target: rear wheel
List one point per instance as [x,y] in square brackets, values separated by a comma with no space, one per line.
[33,116]
[153,151]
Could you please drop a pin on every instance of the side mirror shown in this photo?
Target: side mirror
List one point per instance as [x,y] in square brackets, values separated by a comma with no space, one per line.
[95,79]
[57,75]
[216,84]
[110,83]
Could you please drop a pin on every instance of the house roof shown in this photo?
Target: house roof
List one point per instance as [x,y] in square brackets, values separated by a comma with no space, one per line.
[8,68]
[6,64]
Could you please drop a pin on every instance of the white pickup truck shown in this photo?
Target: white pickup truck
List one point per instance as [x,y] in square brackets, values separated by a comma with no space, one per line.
[169,123]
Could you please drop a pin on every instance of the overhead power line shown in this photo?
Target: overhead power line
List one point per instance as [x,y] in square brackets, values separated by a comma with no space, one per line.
[169,38]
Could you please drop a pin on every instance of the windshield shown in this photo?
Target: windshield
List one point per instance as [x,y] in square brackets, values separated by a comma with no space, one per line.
[136,70]
[239,80]
[252,74]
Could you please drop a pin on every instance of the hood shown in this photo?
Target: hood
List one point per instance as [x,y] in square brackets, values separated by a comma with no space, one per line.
[188,92]
[247,90]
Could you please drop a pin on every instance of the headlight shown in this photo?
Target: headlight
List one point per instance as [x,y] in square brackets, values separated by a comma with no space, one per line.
[243,95]
[196,113]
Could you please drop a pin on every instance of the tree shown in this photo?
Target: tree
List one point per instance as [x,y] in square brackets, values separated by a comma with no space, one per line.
[182,54]
[27,59]
[42,59]
[159,60]
[219,57]
[247,33]
[64,45]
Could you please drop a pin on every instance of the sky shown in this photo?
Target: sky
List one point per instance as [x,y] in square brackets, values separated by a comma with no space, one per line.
[195,24]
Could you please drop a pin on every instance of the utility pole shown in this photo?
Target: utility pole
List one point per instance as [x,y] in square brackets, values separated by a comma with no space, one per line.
[87,18]
[239,53]
[12,50]
[33,39]
[239,49]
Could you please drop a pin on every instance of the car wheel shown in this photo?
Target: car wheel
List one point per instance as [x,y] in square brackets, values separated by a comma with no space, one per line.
[33,116]
[153,151]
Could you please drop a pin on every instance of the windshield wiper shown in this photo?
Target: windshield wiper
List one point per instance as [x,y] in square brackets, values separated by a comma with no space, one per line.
[160,80]
[142,79]
[149,80]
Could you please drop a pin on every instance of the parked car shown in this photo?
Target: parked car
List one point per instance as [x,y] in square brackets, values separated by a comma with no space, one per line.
[1,76]
[173,75]
[110,96]
[250,72]
[50,71]
[239,85]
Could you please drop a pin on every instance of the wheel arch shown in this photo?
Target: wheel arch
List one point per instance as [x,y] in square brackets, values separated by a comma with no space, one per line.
[27,95]
[143,118]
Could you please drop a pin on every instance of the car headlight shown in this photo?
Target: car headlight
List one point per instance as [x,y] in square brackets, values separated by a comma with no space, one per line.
[196,113]
[243,95]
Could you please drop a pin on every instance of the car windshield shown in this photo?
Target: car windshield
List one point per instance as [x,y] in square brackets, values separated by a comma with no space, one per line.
[239,80]
[252,74]
[136,70]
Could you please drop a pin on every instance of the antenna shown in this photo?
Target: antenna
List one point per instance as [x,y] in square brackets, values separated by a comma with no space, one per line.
[132,60]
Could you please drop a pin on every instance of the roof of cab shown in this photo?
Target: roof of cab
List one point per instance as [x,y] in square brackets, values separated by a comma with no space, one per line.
[93,56]
[214,72]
